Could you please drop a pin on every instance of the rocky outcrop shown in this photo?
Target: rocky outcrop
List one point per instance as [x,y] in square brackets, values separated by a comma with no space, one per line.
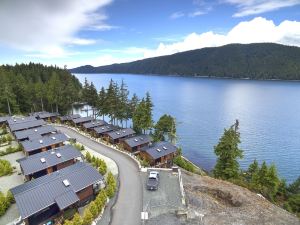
[212,201]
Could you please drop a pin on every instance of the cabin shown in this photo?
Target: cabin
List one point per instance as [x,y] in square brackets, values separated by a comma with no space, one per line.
[135,143]
[35,146]
[34,133]
[26,125]
[43,163]
[46,116]
[52,198]
[68,118]
[99,132]
[94,123]
[15,120]
[160,154]
[114,137]
[80,121]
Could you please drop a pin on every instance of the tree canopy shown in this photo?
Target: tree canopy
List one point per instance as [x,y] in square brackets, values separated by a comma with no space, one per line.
[35,87]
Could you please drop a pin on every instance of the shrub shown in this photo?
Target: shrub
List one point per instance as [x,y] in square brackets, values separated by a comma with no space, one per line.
[82,148]
[87,217]
[5,167]
[77,220]
[94,209]
[179,161]
[5,202]
[10,150]
[103,168]
[111,185]
[88,157]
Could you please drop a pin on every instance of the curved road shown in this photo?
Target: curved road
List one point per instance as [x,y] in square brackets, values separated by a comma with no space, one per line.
[127,210]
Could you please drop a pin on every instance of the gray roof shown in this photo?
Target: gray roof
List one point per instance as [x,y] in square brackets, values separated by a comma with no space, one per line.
[138,140]
[121,133]
[33,164]
[35,144]
[66,199]
[82,120]
[105,129]
[44,115]
[4,119]
[94,123]
[15,120]
[31,132]
[47,190]
[160,149]
[69,117]
[26,125]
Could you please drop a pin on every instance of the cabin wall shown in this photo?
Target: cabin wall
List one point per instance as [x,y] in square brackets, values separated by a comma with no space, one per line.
[85,193]
[65,164]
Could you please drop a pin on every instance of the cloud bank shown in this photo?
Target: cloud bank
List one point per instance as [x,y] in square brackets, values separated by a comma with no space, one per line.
[257,30]
[44,27]
[254,7]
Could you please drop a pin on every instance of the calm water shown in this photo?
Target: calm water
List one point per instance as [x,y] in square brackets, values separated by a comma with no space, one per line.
[268,111]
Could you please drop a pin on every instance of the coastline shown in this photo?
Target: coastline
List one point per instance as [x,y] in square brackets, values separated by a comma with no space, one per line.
[192,76]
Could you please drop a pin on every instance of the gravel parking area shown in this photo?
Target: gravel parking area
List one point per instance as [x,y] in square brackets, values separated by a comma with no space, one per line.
[165,201]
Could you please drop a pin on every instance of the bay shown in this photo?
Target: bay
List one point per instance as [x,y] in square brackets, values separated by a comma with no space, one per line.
[268,111]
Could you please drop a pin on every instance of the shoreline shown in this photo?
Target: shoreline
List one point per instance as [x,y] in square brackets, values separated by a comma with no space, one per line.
[191,76]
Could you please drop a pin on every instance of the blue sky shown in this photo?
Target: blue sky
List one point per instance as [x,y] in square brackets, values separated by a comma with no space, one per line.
[100,32]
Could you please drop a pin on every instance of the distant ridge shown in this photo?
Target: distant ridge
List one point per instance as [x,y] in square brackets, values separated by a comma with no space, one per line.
[251,61]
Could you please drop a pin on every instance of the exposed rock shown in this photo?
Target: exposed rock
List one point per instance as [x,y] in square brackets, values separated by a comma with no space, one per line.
[212,201]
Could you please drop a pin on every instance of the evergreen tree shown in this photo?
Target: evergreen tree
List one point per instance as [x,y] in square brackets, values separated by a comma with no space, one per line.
[101,104]
[228,152]
[166,126]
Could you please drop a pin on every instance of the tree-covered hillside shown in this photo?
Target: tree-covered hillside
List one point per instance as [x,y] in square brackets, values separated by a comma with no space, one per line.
[254,61]
[35,87]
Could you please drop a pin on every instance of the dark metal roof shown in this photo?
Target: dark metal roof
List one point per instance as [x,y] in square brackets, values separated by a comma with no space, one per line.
[82,120]
[94,123]
[66,199]
[105,129]
[69,117]
[44,115]
[15,120]
[39,130]
[43,192]
[33,163]
[138,140]
[35,144]
[26,125]
[4,119]
[121,133]
[160,149]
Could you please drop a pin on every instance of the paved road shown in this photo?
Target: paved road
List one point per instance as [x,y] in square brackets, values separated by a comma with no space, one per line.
[127,210]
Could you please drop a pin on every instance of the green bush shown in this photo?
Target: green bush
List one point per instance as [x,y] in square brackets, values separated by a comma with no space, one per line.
[179,161]
[5,202]
[111,185]
[87,217]
[10,150]
[5,168]
[94,209]
[88,157]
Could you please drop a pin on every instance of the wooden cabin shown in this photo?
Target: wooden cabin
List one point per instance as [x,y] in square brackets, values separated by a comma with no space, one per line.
[100,132]
[57,196]
[114,137]
[43,163]
[89,127]
[135,143]
[160,154]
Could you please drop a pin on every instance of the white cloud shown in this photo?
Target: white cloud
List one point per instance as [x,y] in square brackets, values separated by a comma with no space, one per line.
[257,30]
[197,13]
[176,15]
[254,7]
[45,27]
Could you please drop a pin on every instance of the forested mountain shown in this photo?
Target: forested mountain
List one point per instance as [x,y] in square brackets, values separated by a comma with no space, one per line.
[254,61]
[35,87]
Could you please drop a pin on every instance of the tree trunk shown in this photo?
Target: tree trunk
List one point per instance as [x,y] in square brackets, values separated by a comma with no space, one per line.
[42,104]
[8,106]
